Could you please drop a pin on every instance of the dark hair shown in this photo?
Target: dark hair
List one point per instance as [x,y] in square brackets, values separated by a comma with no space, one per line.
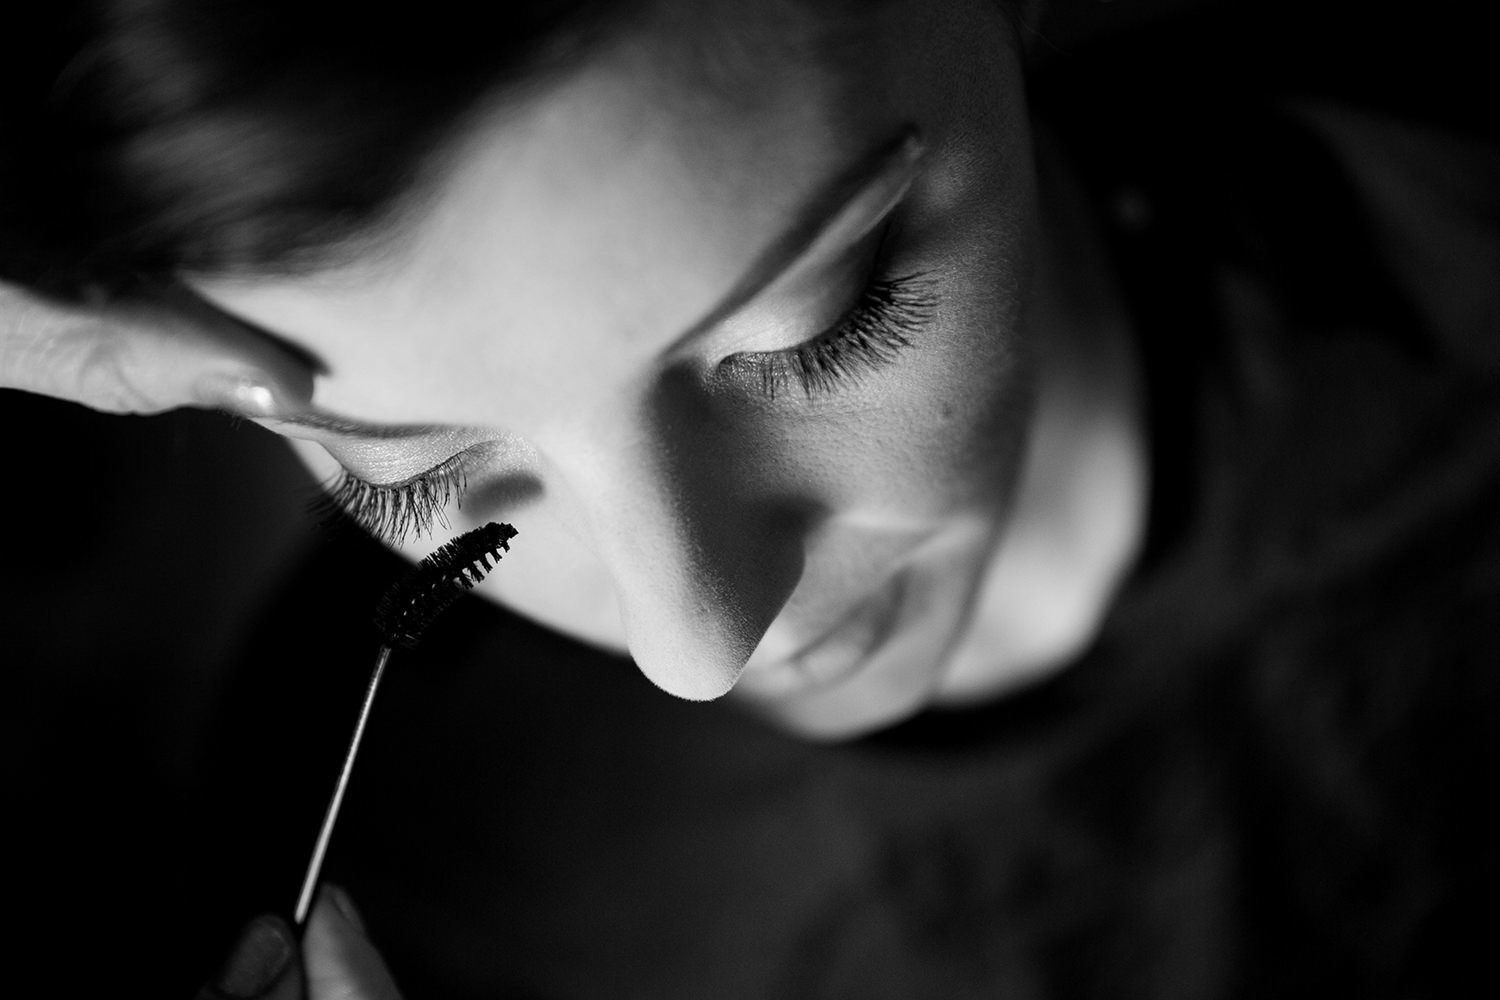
[148,136]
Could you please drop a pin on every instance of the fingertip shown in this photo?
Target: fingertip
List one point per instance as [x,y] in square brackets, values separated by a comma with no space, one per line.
[262,965]
[339,958]
[340,901]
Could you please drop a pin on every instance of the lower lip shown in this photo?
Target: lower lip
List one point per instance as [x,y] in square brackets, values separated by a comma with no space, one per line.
[854,640]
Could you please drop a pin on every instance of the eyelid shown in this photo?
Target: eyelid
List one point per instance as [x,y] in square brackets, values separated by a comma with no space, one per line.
[866,213]
[447,466]
[886,320]
[398,511]
[388,468]
[398,456]
[851,228]
[863,210]
[806,305]
[842,258]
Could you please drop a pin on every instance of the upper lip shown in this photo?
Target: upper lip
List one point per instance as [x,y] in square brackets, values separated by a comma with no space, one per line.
[887,594]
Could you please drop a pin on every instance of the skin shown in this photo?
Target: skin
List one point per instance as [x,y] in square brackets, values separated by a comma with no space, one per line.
[332,959]
[559,305]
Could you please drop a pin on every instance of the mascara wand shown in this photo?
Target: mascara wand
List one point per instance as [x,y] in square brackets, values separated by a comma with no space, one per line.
[403,614]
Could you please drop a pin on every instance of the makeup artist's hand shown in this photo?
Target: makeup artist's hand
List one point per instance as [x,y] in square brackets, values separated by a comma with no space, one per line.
[143,356]
[336,960]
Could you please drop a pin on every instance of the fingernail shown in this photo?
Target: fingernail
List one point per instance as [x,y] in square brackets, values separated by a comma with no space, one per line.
[246,395]
[259,959]
[341,902]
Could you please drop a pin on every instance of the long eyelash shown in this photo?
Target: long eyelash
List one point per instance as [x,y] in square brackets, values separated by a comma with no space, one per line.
[889,313]
[396,512]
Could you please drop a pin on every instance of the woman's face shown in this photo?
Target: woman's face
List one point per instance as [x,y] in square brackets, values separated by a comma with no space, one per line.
[725,322]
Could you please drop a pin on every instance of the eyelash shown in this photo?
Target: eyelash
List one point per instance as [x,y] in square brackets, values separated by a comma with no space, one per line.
[881,324]
[398,511]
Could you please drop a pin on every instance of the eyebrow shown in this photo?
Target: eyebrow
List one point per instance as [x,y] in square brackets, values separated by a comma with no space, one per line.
[811,221]
[819,212]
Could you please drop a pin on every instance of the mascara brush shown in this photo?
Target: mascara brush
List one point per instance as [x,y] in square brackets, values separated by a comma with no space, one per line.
[403,614]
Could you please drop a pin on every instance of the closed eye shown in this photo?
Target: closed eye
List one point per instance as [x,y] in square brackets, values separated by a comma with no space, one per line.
[397,511]
[884,321]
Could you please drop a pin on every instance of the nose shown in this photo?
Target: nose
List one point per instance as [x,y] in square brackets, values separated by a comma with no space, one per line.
[701,554]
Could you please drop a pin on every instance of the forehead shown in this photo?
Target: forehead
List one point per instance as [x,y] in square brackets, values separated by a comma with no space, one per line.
[598,215]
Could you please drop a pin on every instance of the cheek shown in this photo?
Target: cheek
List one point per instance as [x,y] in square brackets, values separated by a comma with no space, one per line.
[938,434]
[553,575]
[973,412]
[935,440]
[947,439]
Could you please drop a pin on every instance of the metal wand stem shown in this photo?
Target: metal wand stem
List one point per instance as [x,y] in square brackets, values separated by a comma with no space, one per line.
[315,866]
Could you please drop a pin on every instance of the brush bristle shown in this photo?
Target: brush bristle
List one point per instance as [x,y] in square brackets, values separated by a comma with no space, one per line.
[414,601]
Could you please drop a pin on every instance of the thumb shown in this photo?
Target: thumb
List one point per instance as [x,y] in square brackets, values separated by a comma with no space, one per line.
[143,355]
[341,962]
[263,965]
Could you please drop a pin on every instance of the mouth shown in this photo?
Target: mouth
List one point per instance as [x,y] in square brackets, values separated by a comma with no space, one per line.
[840,651]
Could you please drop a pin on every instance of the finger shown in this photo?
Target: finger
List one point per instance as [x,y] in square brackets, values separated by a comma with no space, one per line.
[145,355]
[263,965]
[341,962]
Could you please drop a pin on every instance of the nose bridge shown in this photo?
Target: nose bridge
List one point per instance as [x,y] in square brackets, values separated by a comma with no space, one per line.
[701,559]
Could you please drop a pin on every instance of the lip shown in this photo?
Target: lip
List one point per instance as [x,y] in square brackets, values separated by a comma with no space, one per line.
[852,640]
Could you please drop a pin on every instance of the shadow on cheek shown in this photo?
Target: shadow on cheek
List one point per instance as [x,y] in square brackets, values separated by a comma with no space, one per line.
[506,492]
[745,526]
